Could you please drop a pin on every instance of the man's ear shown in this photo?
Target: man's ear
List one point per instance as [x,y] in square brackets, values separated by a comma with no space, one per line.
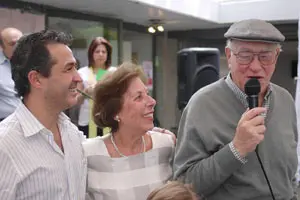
[34,79]
[228,56]
[227,53]
[277,54]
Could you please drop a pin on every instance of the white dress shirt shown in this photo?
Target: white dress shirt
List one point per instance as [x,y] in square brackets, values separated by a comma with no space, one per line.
[33,167]
[8,96]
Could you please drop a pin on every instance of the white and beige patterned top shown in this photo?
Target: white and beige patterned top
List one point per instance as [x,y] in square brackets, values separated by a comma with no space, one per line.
[128,178]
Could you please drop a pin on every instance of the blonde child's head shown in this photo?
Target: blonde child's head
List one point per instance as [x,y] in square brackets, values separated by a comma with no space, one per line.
[173,190]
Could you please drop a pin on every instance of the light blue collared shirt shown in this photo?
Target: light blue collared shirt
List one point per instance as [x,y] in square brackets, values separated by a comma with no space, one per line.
[8,99]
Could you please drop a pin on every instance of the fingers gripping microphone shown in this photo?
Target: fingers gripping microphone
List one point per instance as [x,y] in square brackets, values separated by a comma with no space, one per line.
[252,89]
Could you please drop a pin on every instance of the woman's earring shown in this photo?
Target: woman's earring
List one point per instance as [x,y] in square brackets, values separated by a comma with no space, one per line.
[117,118]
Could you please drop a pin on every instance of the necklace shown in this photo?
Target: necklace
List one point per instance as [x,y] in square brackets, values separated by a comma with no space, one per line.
[117,149]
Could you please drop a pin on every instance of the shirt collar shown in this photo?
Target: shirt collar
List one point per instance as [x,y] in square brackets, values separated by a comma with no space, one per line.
[30,124]
[3,58]
[239,92]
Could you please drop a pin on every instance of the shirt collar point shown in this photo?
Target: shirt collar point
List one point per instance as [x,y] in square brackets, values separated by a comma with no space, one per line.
[24,116]
[3,58]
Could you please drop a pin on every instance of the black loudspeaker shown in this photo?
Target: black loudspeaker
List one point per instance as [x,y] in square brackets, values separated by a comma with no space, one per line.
[196,68]
[294,68]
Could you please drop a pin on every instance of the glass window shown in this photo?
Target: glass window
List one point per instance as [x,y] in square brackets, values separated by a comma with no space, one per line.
[137,47]
[84,32]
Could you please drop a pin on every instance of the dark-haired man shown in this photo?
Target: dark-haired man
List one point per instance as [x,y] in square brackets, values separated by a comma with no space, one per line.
[40,149]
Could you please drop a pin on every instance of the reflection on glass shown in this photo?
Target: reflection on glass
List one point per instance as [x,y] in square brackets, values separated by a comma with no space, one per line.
[83,33]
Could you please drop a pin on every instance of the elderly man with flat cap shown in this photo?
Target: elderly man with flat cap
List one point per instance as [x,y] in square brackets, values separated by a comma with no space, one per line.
[8,98]
[219,135]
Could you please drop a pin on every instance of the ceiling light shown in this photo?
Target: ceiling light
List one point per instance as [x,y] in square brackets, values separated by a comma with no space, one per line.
[151,29]
[160,28]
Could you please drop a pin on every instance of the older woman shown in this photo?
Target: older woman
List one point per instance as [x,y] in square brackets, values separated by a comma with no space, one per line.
[99,58]
[128,163]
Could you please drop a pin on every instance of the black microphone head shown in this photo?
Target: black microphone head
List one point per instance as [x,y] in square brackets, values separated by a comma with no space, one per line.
[252,87]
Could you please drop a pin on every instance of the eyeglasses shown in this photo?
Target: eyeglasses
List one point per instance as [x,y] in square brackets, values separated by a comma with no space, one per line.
[265,58]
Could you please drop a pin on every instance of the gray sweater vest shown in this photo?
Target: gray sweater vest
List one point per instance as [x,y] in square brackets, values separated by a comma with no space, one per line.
[203,156]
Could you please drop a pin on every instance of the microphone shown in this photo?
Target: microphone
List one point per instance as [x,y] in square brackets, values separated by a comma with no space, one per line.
[252,89]
[84,94]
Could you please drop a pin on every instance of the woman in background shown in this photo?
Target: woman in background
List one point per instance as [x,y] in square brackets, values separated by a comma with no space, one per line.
[99,62]
[128,163]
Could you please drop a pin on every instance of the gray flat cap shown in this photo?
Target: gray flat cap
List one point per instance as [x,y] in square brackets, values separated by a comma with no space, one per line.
[254,30]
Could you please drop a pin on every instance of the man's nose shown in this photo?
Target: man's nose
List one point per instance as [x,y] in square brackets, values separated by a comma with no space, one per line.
[255,65]
[77,77]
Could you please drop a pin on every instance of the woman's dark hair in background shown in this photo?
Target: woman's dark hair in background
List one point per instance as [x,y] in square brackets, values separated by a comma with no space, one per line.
[94,44]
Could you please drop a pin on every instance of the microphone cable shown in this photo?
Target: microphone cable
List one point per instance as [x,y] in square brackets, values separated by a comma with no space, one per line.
[252,89]
[265,174]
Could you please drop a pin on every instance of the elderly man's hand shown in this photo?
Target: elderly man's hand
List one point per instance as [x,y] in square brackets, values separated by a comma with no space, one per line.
[250,131]
[166,131]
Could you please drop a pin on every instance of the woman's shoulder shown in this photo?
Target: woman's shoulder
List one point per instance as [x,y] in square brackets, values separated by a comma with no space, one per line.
[112,69]
[84,69]
[94,146]
[161,139]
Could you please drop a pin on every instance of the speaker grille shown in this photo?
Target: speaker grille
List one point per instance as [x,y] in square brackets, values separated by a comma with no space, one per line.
[205,76]
[196,68]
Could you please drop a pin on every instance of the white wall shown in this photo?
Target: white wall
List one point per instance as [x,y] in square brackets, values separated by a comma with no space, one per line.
[26,22]
[202,9]
[232,10]
[270,10]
